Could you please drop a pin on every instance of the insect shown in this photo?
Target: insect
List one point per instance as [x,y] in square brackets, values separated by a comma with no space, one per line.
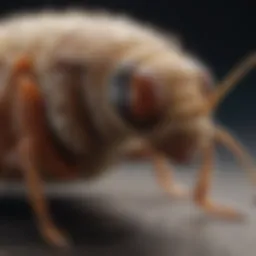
[76,85]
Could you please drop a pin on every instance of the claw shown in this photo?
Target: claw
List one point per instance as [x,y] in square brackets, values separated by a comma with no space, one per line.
[220,211]
[55,237]
[177,191]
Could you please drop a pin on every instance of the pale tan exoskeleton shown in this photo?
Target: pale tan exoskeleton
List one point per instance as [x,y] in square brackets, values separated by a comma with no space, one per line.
[138,149]
[75,86]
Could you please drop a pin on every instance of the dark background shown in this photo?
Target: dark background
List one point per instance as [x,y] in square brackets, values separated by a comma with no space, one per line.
[220,32]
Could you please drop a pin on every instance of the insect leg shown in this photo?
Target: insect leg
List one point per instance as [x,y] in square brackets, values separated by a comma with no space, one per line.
[137,150]
[48,154]
[36,195]
[202,188]
[164,175]
[232,144]
[29,158]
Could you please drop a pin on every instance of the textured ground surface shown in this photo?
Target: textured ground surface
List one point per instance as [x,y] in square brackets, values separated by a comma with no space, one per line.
[126,213]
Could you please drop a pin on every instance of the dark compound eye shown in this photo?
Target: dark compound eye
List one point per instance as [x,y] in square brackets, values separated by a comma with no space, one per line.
[134,97]
[120,89]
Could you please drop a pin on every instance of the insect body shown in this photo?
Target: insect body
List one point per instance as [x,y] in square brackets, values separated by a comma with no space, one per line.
[75,86]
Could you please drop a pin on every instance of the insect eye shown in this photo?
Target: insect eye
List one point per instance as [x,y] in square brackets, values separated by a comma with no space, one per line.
[135,97]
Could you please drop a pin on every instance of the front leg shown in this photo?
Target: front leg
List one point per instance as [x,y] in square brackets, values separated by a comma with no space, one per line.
[137,149]
[164,176]
[202,188]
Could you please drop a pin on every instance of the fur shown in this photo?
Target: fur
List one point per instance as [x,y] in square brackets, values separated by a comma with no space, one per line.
[102,42]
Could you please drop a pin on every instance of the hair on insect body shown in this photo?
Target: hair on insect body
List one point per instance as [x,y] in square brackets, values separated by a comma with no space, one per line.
[138,149]
[77,85]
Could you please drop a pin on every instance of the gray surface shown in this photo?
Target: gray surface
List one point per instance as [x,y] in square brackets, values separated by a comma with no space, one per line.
[126,213]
